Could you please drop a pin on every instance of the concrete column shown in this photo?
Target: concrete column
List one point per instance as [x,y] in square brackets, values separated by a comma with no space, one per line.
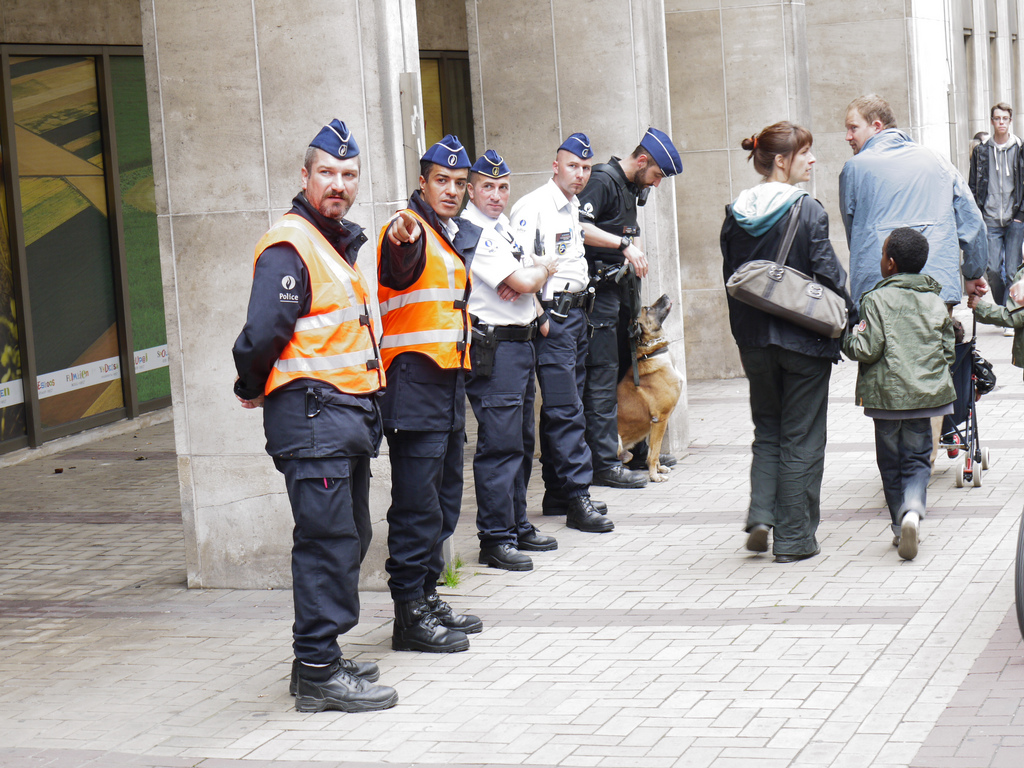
[543,69]
[733,69]
[231,116]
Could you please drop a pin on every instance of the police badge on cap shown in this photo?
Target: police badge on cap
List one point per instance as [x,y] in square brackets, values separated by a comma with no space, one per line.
[448,152]
[663,151]
[336,140]
[579,145]
[490,163]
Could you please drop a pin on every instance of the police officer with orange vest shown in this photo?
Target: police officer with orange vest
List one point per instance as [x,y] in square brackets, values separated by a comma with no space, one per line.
[424,257]
[308,354]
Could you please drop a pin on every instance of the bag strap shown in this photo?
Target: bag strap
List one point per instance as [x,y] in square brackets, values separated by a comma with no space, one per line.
[787,238]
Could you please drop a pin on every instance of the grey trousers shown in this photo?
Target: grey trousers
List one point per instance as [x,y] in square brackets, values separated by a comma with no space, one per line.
[788,404]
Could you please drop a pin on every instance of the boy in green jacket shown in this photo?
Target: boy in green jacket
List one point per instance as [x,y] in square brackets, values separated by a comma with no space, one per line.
[1009,316]
[904,344]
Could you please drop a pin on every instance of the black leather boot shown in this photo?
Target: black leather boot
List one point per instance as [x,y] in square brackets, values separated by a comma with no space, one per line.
[364,669]
[620,477]
[339,690]
[417,629]
[557,503]
[465,622]
[583,517]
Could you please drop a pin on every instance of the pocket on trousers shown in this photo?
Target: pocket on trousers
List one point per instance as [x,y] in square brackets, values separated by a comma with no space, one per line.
[502,400]
[557,385]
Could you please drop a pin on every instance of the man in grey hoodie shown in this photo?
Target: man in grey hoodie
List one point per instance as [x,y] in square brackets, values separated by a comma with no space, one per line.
[997,182]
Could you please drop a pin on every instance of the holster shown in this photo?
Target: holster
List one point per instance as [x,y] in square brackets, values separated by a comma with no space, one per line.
[482,350]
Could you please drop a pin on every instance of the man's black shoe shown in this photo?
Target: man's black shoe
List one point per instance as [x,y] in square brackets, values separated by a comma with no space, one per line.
[620,477]
[583,517]
[342,691]
[535,541]
[506,557]
[557,503]
[640,462]
[364,669]
[795,558]
[417,629]
[463,622]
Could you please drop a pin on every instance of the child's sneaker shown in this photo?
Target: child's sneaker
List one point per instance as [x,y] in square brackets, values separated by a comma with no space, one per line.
[908,535]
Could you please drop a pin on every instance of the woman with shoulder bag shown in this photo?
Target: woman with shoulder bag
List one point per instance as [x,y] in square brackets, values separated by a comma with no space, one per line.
[788,366]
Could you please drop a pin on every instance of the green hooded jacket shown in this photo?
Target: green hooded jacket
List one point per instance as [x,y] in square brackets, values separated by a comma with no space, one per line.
[989,313]
[904,344]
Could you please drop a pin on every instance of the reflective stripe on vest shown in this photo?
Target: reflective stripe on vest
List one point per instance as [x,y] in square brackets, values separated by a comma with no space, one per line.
[335,342]
[424,317]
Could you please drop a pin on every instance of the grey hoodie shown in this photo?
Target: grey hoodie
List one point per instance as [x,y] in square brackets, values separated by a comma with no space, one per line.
[1002,162]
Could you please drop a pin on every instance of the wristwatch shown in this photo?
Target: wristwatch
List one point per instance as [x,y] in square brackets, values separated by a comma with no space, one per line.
[625,242]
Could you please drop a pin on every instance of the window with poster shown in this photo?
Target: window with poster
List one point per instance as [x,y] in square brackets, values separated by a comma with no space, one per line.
[82,334]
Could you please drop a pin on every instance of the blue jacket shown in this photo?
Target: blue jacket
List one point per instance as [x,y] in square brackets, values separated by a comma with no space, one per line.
[895,182]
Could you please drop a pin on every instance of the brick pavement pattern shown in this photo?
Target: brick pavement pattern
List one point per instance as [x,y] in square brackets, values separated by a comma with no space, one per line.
[664,643]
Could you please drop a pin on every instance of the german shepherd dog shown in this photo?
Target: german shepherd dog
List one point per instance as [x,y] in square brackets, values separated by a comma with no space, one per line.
[644,410]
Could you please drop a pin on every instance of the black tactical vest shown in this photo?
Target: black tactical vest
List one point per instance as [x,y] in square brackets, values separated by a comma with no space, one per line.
[623,223]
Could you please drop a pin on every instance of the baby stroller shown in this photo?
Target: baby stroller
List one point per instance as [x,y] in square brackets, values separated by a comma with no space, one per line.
[960,431]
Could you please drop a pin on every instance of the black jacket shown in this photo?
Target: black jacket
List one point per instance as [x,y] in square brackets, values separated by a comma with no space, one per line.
[306,418]
[421,397]
[977,179]
[610,202]
[811,253]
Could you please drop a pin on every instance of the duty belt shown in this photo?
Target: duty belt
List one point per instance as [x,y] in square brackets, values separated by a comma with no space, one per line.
[506,332]
[575,300]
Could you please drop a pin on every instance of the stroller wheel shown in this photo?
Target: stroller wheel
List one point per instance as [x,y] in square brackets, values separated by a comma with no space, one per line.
[960,477]
[976,476]
[986,458]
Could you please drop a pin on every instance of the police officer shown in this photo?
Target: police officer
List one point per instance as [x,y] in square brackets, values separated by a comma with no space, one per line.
[548,220]
[608,210]
[500,387]
[308,355]
[424,257]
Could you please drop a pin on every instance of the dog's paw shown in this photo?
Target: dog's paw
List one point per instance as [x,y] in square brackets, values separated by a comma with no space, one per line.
[662,469]
[658,478]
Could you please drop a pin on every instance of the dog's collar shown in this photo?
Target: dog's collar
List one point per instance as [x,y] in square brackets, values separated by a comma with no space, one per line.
[659,351]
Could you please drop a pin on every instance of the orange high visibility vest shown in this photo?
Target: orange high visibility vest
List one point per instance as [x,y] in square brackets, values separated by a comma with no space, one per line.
[430,315]
[335,342]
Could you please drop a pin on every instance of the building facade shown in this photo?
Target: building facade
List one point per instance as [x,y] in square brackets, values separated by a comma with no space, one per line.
[159,133]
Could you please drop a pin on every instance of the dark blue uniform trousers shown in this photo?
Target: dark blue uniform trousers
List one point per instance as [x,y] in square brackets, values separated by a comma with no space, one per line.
[503,404]
[600,395]
[330,501]
[561,370]
[426,495]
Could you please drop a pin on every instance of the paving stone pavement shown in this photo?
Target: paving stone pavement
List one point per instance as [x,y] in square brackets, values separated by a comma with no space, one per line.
[663,643]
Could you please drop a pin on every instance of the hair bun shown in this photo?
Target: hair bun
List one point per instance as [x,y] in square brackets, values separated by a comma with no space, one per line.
[749,144]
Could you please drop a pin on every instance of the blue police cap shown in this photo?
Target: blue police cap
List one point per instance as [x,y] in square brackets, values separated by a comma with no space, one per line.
[448,152]
[663,151]
[336,140]
[490,163]
[579,145]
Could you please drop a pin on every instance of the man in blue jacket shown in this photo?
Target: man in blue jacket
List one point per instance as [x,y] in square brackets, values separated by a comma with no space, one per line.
[890,182]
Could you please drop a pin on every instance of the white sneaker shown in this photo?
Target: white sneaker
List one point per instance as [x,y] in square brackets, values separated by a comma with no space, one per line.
[908,535]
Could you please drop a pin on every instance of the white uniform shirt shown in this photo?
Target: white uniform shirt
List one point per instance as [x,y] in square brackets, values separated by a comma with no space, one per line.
[493,261]
[558,219]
